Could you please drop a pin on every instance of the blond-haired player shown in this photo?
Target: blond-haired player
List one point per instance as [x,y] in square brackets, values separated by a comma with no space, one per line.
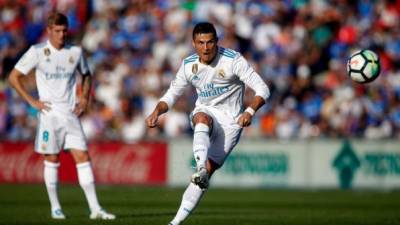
[55,64]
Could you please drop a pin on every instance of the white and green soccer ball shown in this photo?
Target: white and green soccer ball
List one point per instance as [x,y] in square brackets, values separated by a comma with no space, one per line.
[363,66]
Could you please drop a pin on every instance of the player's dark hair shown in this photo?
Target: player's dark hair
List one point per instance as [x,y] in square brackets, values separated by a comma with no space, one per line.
[56,18]
[204,28]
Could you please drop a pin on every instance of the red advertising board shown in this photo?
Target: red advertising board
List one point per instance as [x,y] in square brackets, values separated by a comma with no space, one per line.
[113,163]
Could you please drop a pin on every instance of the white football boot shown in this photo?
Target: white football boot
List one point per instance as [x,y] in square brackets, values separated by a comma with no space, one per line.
[200,178]
[102,215]
[57,214]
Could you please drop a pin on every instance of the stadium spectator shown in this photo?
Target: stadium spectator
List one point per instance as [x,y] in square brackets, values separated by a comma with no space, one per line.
[314,37]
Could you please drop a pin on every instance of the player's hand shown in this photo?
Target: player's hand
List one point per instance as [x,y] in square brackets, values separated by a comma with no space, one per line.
[245,119]
[41,106]
[151,121]
[80,107]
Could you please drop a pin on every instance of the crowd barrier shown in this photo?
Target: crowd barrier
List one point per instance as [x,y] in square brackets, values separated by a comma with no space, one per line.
[259,163]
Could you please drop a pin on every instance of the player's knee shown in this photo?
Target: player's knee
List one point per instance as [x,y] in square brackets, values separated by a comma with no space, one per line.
[54,158]
[202,118]
[80,156]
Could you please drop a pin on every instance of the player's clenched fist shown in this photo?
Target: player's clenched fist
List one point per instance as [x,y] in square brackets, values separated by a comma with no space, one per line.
[151,121]
[245,119]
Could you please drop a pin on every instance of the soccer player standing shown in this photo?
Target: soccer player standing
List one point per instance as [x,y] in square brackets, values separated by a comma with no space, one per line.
[55,64]
[219,76]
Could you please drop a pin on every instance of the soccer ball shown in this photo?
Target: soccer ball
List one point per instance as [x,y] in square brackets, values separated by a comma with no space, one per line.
[363,66]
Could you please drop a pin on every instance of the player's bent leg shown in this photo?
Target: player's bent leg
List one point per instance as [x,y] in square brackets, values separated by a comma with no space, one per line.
[51,165]
[201,145]
[86,181]
[201,138]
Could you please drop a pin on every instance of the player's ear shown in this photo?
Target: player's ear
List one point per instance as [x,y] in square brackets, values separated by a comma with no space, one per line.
[48,28]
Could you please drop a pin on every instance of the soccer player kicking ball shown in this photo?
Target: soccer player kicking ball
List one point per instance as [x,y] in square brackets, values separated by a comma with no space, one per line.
[219,76]
[59,127]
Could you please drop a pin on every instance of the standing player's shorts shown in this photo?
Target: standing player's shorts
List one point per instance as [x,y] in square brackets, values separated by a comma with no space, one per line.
[58,131]
[225,133]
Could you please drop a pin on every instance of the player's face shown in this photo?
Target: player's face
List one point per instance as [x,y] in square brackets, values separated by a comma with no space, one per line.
[205,46]
[57,35]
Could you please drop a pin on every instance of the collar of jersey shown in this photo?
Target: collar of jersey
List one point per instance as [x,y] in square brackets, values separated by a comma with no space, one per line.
[52,47]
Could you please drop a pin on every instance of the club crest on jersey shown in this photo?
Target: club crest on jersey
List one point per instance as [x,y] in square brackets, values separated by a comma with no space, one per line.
[71,60]
[195,68]
[46,51]
[221,73]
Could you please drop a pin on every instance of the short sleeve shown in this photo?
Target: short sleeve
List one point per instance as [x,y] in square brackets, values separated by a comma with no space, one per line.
[83,67]
[28,61]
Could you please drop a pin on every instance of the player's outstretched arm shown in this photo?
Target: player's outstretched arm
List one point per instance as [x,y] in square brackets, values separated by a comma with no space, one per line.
[161,108]
[245,119]
[15,81]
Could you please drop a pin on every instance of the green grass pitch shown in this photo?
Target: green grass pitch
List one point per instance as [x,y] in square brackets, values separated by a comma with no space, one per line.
[28,204]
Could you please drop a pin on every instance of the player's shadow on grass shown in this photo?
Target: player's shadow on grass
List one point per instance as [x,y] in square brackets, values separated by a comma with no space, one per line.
[170,214]
[144,215]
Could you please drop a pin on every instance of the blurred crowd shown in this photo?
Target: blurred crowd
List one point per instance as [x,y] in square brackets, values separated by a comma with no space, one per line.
[134,48]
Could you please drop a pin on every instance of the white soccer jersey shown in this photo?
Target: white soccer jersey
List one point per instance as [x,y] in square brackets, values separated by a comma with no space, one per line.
[55,73]
[220,84]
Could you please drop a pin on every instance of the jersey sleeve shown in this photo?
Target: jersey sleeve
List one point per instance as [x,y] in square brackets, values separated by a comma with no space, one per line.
[250,77]
[176,87]
[28,61]
[83,67]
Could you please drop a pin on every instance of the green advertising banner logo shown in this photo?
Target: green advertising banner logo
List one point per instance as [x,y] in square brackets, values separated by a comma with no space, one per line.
[346,164]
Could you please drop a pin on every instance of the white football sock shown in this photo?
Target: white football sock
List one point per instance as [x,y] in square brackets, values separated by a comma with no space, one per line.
[86,180]
[51,181]
[190,199]
[201,144]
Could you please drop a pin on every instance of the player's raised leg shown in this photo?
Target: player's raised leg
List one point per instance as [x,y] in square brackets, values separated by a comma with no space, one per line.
[201,144]
[86,181]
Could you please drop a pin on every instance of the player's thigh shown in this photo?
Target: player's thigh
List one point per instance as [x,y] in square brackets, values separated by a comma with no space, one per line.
[75,137]
[223,140]
[49,134]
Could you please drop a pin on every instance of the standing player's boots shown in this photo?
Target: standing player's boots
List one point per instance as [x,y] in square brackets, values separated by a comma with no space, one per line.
[200,178]
[102,215]
[57,214]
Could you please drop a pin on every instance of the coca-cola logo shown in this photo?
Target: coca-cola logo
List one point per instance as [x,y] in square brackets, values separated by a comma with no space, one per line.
[129,164]
[19,163]
[113,163]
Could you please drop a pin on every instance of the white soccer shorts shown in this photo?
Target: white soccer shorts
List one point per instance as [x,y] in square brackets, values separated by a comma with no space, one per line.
[225,133]
[58,131]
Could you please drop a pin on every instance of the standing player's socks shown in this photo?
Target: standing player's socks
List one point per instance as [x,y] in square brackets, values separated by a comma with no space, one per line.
[51,181]
[86,181]
[201,144]
[190,198]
